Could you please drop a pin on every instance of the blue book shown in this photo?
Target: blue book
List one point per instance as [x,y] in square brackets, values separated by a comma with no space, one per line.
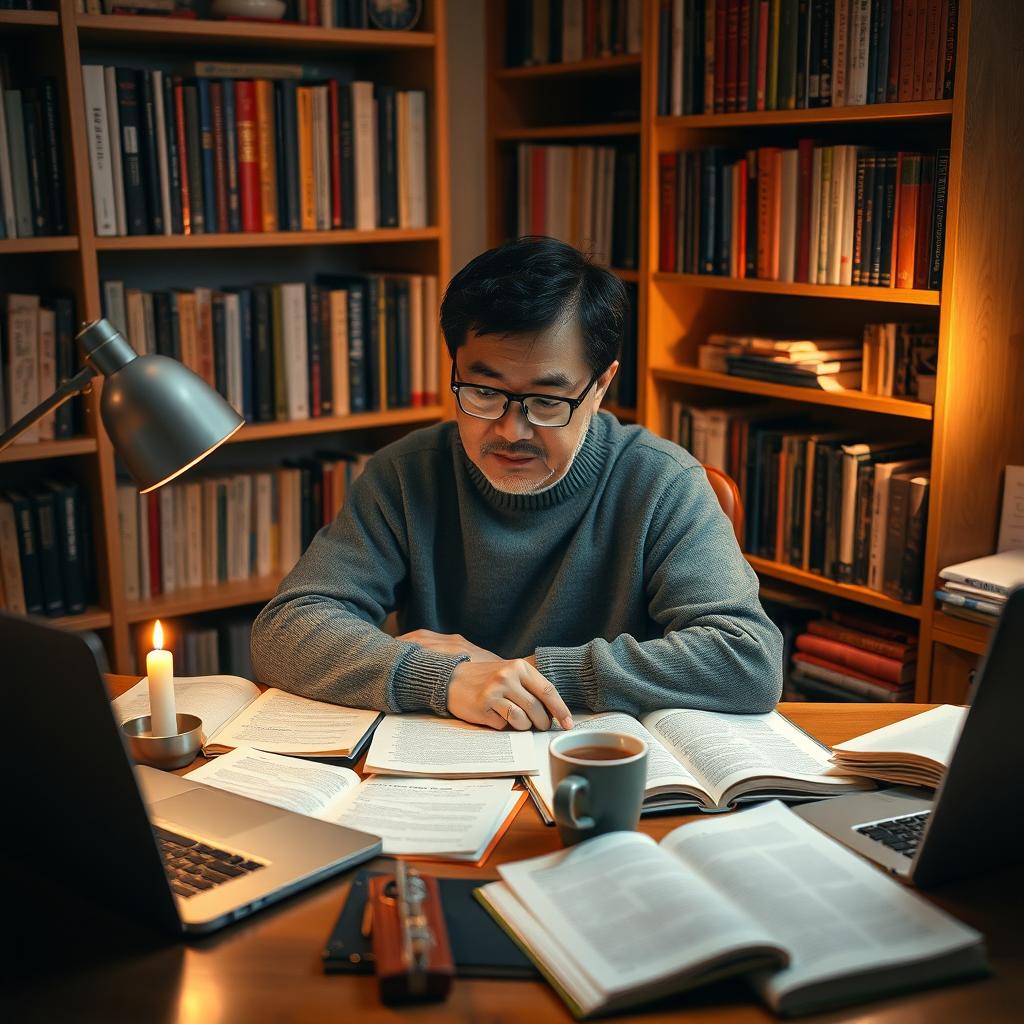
[206,152]
[231,147]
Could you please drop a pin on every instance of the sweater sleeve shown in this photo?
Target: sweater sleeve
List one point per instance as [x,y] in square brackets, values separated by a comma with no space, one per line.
[320,634]
[718,652]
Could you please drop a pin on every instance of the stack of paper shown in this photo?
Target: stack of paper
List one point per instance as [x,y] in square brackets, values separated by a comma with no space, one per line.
[978,589]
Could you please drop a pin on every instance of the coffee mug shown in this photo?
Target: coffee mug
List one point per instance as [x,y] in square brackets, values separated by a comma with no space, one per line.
[598,780]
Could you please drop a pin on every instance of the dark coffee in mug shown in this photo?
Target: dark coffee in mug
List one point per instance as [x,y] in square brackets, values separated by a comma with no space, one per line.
[597,753]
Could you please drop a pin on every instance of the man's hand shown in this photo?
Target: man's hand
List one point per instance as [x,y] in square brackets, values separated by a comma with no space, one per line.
[448,643]
[505,693]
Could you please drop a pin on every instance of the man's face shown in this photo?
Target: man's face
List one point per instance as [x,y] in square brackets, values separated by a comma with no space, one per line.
[513,454]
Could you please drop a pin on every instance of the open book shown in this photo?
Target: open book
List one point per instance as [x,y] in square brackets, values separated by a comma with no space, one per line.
[914,752]
[436,818]
[620,919]
[707,760]
[236,714]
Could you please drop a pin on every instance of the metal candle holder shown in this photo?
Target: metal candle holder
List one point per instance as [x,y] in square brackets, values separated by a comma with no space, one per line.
[165,752]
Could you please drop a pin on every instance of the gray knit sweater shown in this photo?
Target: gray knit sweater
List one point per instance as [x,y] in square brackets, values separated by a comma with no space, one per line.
[624,579]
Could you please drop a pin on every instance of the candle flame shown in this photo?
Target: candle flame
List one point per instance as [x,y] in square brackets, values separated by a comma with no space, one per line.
[158,636]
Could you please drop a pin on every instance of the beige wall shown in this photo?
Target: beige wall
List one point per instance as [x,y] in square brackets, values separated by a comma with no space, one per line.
[466,99]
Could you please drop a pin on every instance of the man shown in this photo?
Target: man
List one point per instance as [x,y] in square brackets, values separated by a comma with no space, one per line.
[540,556]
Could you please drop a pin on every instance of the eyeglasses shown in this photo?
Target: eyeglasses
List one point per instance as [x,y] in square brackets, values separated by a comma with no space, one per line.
[541,410]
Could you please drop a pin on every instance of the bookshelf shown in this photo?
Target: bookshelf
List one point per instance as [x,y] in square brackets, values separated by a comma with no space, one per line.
[974,426]
[78,262]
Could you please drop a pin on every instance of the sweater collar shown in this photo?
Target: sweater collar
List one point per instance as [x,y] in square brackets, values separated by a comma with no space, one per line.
[589,461]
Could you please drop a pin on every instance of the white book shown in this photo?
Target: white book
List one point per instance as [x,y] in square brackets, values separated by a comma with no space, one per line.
[263,523]
[233,350]
[824,213]
[572,30]
[835,214]
[365,145]
[296,356]
[22,361]
[849,196]
[193,500]
[857,75]
[289,519]
[880,514]
[210,517]
[47,369]
[790,163]
[236,714]
[128,528]
[116,166]
[454,819]
[676,107]
[19,162]
[168,563]
[431,341]
[321,158]
[145,580]
[7,211]
[100,157]
[163,169]
[424,746]
[337,303]
[621,919]
[417,157]
[996,574]
[114,307]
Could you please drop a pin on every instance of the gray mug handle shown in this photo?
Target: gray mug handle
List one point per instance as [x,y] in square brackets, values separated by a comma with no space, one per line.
[565,798]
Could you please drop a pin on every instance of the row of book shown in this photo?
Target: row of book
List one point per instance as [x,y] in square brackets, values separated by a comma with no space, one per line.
[724,56]
[893,359]
[46,551]
[851,658]
[219,529]
[586,196]
[202,648]
[32,200]
[295,351]
[559,31]
[225,151]
[815,214]
[37,351]
[820,500]
[326,13]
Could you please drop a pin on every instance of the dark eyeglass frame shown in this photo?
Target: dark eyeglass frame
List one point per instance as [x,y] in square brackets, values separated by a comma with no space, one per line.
[511,396]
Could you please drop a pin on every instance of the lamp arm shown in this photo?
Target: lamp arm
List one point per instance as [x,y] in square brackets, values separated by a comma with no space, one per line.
[68,389]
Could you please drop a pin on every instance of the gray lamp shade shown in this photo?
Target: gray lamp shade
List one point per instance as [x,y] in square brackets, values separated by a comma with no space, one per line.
[160,416]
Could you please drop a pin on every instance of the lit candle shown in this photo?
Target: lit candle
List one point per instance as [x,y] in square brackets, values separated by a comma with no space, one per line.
[160,670]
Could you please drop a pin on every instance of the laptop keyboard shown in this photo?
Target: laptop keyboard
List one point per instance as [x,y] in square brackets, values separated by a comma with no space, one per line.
[901,834]
[193,867]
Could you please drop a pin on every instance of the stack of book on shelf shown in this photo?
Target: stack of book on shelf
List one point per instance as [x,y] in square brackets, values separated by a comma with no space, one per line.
[37,343]
[215,530]
[820,500]
[832,364]
[815,214]
[31,164]
[900,360]
[345,344]
[723,56]
[46,550]
[600,215]
[203,649]
[847,658]
[556,31]
[977,590]
[252,147]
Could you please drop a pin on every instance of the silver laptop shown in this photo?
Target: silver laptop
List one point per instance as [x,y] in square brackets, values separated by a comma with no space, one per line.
[189,858]
[972,823]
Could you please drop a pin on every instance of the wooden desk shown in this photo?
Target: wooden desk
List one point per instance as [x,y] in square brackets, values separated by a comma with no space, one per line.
[267,968]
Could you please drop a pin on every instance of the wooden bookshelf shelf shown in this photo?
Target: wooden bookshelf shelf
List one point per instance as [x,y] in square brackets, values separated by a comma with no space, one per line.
[896,296]
[194,600]
[838,399]
[863,595]
[48,449]
[263,239]
[129,29]
[91,618]
[43,243]
[872,112]
[329,424]
[578,68]
[569,131]
[27,19]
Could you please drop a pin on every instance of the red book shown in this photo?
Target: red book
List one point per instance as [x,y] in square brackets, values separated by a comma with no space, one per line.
[732,47]
[248,156]
[765,192]
[775,238]
[895,649]
[932,33]
[876,665]
[667,213]
[892,83]
[906,227]
[312,12]
[155,581]
[810,659]
[538,186]
[743,57]
[220,160]
[721,12]
[762,54]
[803,225]
[908,32]
[335,142]
[925,226]
[179,128]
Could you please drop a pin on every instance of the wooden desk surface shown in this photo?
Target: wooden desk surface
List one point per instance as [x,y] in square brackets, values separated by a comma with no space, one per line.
[267,968]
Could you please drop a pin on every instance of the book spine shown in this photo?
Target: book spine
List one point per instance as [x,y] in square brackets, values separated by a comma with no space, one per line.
[307,194]
[99,149]
[67,363]
[938,229]
[44,512]
[912,562]
[865,641]
[28,553]
[206,167]
[949,53]
[66,500]
[888,669]
[387,183]
[265,138]
[32,124]
[149,158]
[907,226]
[888,219]
[263,354]
[895,538]
[315,381]
[53,161]
[194,152]
[175,185]
[348,171]
[220,155]
[667,164]
[863,524]
[334,136]
[231,155]
[357,347]
[320,297]
[248,156]
[289,117]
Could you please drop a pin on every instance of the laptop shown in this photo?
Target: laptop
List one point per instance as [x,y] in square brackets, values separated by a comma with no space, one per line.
[179,856]
[971,823]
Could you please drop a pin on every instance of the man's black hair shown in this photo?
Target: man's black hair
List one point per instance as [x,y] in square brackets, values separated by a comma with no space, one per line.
[530,284]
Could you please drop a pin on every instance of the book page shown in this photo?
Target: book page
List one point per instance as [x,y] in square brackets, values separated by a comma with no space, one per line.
[832,911]
[625,913]
[723,750]
[214,699]
[931,735]
[425,745]
[288,724]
